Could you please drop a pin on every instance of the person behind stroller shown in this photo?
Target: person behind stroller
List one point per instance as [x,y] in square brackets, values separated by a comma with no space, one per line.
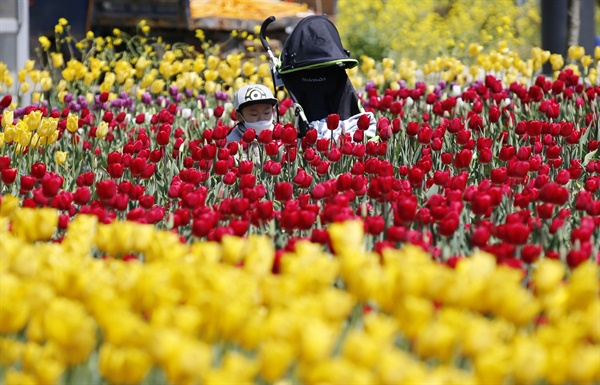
[254,106]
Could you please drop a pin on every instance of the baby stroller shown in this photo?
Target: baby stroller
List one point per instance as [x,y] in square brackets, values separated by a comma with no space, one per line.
[312,67]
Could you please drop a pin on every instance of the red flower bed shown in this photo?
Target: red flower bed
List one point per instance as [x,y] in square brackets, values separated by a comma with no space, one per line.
[513,171]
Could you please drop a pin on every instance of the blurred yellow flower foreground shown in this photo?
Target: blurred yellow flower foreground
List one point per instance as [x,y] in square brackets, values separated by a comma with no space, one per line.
[215,313]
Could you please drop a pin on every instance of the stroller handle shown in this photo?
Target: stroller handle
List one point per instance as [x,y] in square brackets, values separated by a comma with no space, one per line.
[263,38]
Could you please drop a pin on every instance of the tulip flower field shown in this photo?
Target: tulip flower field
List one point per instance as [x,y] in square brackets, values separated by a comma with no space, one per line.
[459,245]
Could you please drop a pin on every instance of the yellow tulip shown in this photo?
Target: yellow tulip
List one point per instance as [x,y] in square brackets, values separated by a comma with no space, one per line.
[24,88]
[347,236]
[183,360]
[67,324]
[123,365]
[233,249]
[102,130]
[23,136]
[275,358]
[33,120]
[586,60]
[45,42]
[10,133]
[8,116]
[46,83]
[15,377]
[210,87]
[57,59]
[32,225]
[60,157]
[212,62]
[72,122]
[47,126]
[548,275]
[14,309]
[11,351]
[210,75]
[34,75]
[317,341]
[35,141]
[557,61]
[576,52]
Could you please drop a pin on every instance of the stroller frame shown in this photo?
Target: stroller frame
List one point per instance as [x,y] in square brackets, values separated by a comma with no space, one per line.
[312,67]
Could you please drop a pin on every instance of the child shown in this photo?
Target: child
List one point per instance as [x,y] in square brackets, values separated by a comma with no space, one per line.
[254,105]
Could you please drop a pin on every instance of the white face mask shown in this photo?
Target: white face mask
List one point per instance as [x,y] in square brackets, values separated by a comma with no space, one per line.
[260,126]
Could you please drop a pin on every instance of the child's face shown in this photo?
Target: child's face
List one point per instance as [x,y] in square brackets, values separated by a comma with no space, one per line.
[257,112]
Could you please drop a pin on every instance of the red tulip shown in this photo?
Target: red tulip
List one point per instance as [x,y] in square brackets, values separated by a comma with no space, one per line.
[507,153]
[412,128]
[106,189]
[319,191]
[219,110]
[115,170]
[592,184]
[249,135]
[137,166]
[364,122]
[553,152]
[396,234]
[247,181]
[9,175]
[463,137]
[562,177]
[480,237]
[514,233]
[4,163]
[201,226]
[415,177]
[265,210]
[448,225]
[289,136]
[221,167]
[463,158]
[333,121]
[374,225]
[5,101]
[553,193]
[545,211]
[265,136]
[239,226]
[494,113]
[146,201]
[523,153]
[425,134]
[405,209]
[475,122]
[51,185]
[482,204]
[320,236]
[85,179]
[446,158]
[283,191]
[27,182]
[334,155]
[576,257]
[485,156]
[82,195]
[119,202]
[322,167]
[148,171]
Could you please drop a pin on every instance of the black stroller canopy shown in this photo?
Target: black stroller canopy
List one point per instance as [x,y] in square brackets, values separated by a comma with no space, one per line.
[323,91]
[314,43]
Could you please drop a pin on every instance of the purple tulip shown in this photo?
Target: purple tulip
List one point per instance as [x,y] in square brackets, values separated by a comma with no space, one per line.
[202,100]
